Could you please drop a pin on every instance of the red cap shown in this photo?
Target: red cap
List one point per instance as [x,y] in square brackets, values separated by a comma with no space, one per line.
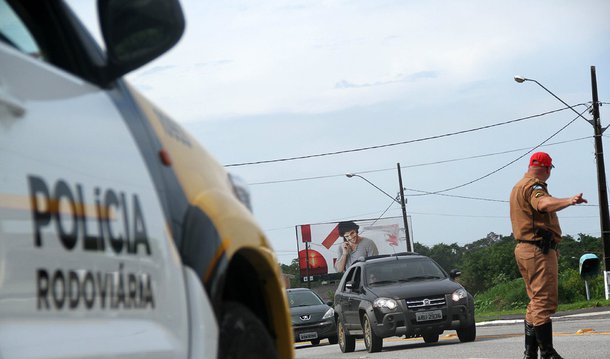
[541,159]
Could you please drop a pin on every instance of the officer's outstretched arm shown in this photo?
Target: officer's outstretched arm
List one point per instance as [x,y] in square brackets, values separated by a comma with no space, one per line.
[552,204]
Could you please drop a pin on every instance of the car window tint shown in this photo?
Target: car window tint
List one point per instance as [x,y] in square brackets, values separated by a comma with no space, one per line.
[349,277]
[393,271]
[357,275]
[303,298]
[14,32]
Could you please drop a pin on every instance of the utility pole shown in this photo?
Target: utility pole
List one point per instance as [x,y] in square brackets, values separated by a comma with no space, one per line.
[307,263]
[403,204]
[604,216]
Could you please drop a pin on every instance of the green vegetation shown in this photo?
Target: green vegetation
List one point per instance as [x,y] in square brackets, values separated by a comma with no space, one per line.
[490,273]
[509,298]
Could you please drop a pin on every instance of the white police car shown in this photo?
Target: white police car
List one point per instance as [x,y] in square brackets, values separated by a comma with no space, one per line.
[119,235]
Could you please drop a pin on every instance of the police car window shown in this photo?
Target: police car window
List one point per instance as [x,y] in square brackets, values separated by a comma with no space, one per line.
[14,32]
[86,11]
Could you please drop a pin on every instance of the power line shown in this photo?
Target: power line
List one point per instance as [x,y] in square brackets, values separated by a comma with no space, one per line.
[398,143]
[506,165]
[414,165]
[441,192]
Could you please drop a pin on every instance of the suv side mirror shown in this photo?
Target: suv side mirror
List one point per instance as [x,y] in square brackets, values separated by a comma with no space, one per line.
[330,303]
[135,32]
[454,273]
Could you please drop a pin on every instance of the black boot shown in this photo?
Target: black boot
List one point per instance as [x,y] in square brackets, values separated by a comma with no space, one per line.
[531,345]
[544,336]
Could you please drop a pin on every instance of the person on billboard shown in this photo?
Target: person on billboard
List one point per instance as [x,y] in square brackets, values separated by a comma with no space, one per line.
[353,247]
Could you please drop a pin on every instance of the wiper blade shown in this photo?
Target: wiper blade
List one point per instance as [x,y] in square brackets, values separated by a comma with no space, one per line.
[419,277]
[382,282]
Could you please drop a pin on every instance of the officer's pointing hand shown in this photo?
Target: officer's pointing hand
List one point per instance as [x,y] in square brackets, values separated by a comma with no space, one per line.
[578,199]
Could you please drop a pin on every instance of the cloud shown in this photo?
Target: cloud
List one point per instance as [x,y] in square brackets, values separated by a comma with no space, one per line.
[213,63]
[343,84]
[243,58]
[156,70]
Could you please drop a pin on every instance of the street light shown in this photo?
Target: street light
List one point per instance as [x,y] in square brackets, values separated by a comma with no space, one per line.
[402,202]
[350,175]
[604,215]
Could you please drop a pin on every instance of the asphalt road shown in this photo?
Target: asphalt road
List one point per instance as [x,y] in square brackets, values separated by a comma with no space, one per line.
[577,334]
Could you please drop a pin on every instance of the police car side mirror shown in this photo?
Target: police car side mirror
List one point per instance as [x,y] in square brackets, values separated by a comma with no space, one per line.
[136,32]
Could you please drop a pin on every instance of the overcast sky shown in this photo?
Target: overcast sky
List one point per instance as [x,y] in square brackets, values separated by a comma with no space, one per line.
[266,80]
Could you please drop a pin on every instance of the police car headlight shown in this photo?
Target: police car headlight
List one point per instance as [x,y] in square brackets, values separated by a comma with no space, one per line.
[385,303]
[329,313]
[459,294]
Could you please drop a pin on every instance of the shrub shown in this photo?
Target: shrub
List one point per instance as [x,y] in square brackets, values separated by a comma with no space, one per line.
[504,296]
[511,294]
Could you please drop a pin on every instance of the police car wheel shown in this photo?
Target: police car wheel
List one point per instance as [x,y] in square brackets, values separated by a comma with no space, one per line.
[243,335]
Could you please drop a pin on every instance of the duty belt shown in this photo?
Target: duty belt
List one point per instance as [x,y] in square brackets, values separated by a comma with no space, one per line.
[538,243]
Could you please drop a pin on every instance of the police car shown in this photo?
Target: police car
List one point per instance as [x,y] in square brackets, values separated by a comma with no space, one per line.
[120,236]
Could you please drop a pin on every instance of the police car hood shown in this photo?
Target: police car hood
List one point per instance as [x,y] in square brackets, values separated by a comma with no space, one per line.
[415,289]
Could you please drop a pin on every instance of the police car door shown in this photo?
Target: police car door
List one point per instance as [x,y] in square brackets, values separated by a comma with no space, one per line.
[86,265]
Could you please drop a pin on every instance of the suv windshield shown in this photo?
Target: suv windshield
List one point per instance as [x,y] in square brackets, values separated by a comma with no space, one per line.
[402,270]
[303,299]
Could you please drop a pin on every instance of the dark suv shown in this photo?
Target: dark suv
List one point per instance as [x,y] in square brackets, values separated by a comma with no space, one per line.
[402,294]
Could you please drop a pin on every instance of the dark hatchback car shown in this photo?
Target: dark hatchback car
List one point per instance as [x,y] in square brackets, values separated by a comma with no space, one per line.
[402,294]
[312,319]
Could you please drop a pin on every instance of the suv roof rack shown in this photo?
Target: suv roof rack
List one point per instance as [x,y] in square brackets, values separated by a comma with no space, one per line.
[364,259]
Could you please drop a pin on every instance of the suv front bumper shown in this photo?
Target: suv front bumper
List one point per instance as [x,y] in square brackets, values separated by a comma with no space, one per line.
[403,321]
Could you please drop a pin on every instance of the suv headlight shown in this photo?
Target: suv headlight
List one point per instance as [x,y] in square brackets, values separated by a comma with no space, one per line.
[329,313]
[385,303]
[459,294]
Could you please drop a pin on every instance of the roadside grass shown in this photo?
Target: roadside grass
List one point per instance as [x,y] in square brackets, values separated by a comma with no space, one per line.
[508,299]
[484,316]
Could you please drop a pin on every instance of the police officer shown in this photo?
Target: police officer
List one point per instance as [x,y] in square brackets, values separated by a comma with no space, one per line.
[536,229]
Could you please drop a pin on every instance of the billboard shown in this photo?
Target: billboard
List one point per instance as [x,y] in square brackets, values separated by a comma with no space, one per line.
[318,244]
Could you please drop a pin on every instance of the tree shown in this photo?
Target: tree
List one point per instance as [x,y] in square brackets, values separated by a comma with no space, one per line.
[448,256]
[488,262]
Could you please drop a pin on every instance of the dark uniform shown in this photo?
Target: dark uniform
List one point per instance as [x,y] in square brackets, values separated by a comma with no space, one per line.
[539,270]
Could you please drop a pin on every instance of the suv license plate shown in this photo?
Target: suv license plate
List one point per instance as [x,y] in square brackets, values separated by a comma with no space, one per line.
[425,316]
[308,336]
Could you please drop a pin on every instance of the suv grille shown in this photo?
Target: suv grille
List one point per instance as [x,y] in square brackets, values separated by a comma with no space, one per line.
[426,302]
